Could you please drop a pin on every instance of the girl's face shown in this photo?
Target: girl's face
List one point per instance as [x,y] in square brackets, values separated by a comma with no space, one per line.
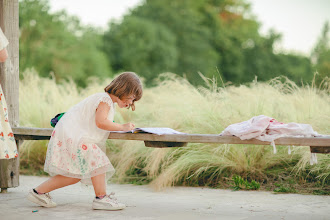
[126,101]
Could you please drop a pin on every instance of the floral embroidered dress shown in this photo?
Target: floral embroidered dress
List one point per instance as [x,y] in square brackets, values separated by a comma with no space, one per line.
[8,148]
[77,146]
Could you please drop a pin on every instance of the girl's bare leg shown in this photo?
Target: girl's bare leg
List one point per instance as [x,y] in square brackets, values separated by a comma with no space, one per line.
[99,185]
[56,182]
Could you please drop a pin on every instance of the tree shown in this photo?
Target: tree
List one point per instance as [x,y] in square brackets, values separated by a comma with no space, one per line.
[58,43]
[321,54]
[185,37]
[193,38]
[142,46]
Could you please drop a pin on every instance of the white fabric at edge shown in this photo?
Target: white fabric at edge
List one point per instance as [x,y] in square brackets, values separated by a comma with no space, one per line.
[265,128]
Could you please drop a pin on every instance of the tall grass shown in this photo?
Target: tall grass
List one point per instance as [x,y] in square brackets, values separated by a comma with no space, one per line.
[177,104]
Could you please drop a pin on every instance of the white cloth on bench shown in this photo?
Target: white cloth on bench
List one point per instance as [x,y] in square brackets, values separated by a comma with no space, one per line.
[265,128]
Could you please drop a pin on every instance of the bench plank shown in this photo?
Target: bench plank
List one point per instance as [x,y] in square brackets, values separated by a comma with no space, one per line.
[23,133]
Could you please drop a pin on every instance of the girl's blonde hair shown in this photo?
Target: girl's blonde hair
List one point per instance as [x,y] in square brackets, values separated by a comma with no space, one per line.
[126,84]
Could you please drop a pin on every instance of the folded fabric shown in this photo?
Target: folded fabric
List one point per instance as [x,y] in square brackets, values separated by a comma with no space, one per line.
[265,128]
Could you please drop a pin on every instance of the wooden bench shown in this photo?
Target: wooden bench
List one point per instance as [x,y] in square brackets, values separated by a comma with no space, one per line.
[10,172]
[316,144]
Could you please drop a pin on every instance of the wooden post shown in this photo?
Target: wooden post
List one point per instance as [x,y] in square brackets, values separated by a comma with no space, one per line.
[9,79]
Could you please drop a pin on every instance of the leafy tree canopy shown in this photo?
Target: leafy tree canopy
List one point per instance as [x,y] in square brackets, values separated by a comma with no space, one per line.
[142,46]
[58,44]
[321,54]
[218,38]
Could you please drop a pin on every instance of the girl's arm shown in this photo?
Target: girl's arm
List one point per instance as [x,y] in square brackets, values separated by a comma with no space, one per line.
[102,122]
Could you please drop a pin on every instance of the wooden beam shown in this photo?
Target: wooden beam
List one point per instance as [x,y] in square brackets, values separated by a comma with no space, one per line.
[163,144]
[321,150]
[45,133]
[24,133]
[209,138]
[9,79]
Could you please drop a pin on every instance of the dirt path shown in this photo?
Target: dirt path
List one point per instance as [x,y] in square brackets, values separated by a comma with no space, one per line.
[74,202]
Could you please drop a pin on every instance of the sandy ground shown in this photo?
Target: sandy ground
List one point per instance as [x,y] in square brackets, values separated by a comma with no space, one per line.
[74,202]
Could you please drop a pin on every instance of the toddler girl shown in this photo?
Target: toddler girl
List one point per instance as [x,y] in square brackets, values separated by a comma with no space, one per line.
[76,150]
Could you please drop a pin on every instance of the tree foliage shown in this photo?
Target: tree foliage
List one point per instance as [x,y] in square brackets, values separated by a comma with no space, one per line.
[321,54]
[212,37]
[58,44]
[141,45]
[218,38]
[185,47]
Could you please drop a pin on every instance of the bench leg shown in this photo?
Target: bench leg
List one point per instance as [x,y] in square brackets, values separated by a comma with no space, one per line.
[4,190]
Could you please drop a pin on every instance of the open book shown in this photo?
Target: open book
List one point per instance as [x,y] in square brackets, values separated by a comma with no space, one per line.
[158,131]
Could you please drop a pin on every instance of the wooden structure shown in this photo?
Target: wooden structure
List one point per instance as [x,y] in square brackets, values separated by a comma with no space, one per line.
[9,79]
[317,144]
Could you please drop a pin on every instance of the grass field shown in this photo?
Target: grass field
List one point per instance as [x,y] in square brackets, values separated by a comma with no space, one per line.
[177,104]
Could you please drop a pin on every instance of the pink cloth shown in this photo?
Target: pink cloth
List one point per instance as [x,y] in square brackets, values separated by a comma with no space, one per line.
[265,128]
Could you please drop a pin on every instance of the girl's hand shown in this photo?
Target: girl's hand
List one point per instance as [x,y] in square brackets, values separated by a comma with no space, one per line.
[128,126]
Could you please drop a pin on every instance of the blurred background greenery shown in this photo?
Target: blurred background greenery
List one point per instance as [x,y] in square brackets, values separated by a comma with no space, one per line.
[217,38]
[204,66]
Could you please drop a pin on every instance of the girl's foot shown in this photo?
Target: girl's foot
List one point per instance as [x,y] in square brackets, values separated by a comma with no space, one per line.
[41,199]
[109,202]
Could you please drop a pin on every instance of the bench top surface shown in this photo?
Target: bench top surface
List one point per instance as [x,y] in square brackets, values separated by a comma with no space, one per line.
[45,133]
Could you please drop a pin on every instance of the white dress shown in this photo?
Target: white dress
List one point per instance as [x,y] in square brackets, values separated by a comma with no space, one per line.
[3,40]
[77,146]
